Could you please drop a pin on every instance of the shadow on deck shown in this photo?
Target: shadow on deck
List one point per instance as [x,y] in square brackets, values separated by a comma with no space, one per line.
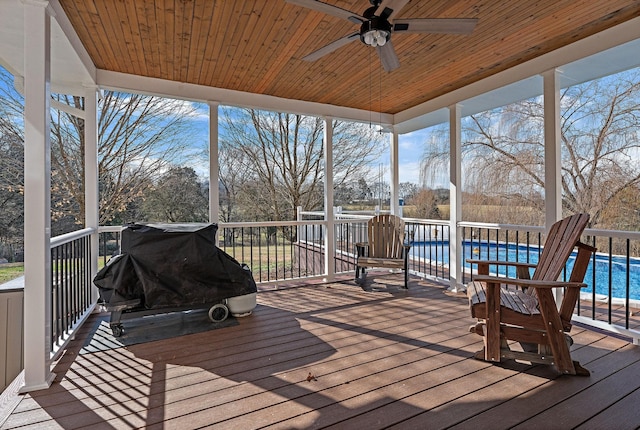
[332,355]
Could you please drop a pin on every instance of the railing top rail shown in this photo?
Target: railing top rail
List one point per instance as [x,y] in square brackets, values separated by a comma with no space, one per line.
[364,213]
[110,228]
[633,235]
[118,229]
[269,223]
[353,218]
[427,221]
[494,226]
[70,237]
[346,217]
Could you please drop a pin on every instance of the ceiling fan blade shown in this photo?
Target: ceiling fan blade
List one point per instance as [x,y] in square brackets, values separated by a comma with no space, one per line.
[388,57]
[329,10]
[390,8]
[331,47]
[435,25]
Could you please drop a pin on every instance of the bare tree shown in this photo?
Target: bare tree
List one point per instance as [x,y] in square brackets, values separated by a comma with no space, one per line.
[407,190]
[11,135]
[503,149]
[139,137]
[282,156]
[426,204]
[233,179]
[11,196]
[11,168]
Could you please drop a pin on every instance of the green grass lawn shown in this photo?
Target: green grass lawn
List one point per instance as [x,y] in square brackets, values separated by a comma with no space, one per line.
[10,271]
[15,270]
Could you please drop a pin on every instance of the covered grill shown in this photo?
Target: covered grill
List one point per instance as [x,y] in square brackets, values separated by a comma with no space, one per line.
[170,267]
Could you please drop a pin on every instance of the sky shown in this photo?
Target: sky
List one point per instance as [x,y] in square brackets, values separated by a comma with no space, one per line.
[411,147]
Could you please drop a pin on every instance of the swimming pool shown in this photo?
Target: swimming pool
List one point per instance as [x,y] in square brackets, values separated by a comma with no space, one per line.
[617,277]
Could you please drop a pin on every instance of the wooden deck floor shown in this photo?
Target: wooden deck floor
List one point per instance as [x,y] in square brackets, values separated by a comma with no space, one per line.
[335,356]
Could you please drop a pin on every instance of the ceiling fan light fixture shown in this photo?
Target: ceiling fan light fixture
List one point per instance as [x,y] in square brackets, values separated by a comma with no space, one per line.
[375,32]
[368,38]
[375,38]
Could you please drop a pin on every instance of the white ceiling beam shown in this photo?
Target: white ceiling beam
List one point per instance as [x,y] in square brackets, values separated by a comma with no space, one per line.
[180,90]
[79,113]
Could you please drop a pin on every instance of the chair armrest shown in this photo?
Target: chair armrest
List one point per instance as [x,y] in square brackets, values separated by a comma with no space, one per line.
[502,263]
[361,248]
[529,282]
[522,269]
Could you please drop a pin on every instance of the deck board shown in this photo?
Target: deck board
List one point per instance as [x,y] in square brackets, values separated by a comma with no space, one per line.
[335,356]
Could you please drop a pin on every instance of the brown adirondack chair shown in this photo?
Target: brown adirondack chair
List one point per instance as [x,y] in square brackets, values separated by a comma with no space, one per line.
[524,309]
[387,246]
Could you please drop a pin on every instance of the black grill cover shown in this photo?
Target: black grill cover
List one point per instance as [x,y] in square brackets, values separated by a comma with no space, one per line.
[171,265]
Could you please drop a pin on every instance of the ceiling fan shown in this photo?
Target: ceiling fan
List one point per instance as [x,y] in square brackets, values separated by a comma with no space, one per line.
[377,23]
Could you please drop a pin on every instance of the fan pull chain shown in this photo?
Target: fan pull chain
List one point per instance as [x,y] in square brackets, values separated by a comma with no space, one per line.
[370,92]
[380,100]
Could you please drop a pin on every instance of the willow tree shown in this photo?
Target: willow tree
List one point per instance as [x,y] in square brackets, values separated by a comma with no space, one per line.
[503,149]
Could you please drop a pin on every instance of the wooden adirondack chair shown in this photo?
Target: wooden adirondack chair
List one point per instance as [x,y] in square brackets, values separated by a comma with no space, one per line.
[524,309]
[387,246]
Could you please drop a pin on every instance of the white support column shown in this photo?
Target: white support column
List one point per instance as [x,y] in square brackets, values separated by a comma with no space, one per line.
[552,155]
[214,166]
[91,189]
[330,245]
[395,174]
[455,198]
[552,148]
[37,197]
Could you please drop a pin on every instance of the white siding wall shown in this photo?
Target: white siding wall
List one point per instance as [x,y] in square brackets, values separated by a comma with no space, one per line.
[11,338]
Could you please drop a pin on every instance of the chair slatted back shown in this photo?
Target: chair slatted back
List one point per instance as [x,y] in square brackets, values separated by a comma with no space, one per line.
[563,237]
[385,236]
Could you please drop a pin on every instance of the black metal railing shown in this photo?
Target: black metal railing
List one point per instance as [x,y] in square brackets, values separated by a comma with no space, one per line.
[108,243]
[280,251]
[276,251]
[71,283]
[430,252]
[428,256]
[613,295]
[499,243]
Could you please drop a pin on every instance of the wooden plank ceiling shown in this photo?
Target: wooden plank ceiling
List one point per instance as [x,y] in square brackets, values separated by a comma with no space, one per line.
[256,46]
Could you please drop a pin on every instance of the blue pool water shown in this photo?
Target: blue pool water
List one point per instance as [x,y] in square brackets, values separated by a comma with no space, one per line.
[612,279]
